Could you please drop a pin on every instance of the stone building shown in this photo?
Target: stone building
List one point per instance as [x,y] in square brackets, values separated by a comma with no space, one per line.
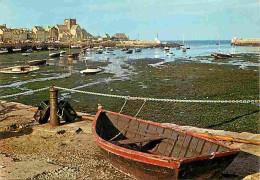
[51,33]
[106,37]
[6,35]
[63,33]
[39,33]
[76,32]
[120,37]
[19,35]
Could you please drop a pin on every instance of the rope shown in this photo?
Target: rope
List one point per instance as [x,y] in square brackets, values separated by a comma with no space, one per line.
[163,100]
[140,108]
[123,105]
[24,93]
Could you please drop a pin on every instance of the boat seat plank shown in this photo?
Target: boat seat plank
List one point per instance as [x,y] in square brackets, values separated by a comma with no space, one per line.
[133,141]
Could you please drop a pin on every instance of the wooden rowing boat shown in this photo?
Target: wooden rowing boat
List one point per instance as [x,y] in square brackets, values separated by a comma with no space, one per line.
[37,62]
[19,69]
[148,150]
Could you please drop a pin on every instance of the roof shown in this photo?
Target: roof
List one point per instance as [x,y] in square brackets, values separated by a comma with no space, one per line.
[74,26]
[39,28]
[121,36]
[62,28]
[2,27]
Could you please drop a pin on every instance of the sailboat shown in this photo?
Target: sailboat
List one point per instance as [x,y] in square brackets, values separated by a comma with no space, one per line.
[219,54]
[183,48]
[90,70]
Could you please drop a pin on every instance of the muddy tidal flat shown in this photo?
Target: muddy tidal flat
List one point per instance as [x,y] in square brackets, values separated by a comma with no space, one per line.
[198,77]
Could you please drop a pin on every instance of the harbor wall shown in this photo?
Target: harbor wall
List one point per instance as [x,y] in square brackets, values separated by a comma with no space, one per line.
[245,42]
[91,44]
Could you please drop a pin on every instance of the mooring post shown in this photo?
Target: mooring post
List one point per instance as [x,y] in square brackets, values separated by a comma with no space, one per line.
[54,119]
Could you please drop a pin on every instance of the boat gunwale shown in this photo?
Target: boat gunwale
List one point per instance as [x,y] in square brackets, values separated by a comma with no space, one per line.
[160,160]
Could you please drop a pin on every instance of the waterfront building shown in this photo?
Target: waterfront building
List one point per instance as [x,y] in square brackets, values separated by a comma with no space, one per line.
[39,33]
[6,34]
[63,33]
[51,33]
[76,32]
[106,37]
[121,37]
[19,35]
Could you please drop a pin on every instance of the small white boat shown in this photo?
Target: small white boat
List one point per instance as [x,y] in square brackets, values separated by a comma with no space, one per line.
[75,46]
[91,71]
[51,48]
[29,50]
[17,49]
[170,54]
[166,49]
[3,51]
[39,48]
[183,48]
[62,53]
[19,69]
[54,54]
[138,50]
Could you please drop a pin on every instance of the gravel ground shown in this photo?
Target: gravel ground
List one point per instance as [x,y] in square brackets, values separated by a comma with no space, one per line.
[32,151]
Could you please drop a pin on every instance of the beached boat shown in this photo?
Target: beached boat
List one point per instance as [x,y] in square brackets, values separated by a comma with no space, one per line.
[148,150]
[57,54]
[138,50]
[166,48]
[124,49]
[3,51]
[19,69]
[75,46]
[221,55]
[91,71]
[37,62]
[29,50]
[183,48]
[62,53]
[129,51]
[39,48]
[17,50]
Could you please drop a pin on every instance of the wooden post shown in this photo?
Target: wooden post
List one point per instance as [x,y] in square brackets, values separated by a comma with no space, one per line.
[54,119]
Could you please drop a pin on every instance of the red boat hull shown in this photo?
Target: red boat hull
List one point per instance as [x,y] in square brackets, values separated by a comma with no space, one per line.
[141,165]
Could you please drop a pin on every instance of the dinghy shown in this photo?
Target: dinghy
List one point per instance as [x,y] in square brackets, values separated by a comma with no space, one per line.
[148,150]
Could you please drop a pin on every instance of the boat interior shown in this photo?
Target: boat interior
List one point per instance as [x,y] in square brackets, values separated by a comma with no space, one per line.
[148,138]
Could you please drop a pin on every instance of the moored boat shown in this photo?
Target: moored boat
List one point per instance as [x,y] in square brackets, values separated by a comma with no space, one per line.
[91,71]
[3,51]
[18,69]
[138,50]
[57,54]
[129,51]
[221,55]
[148,150]
[17,49]
[37,62]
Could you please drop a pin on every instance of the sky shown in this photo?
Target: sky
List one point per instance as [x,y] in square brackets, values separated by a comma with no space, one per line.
[171,19]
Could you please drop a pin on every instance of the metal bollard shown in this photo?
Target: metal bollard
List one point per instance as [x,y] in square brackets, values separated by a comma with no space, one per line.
[54,119]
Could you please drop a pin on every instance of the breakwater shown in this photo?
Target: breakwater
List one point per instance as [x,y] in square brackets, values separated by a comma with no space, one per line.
[245,42]
[90,44]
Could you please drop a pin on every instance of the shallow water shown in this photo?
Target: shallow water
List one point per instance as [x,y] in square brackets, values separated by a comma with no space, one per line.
[116,67]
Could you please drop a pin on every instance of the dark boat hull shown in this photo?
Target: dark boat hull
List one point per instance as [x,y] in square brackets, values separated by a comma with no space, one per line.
[145,165]
[203,169]
[35,63]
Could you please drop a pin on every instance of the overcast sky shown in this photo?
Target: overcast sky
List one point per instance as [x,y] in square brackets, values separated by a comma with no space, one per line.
[171,19]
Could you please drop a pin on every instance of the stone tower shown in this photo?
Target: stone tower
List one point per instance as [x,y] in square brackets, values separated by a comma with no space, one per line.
[70,22]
